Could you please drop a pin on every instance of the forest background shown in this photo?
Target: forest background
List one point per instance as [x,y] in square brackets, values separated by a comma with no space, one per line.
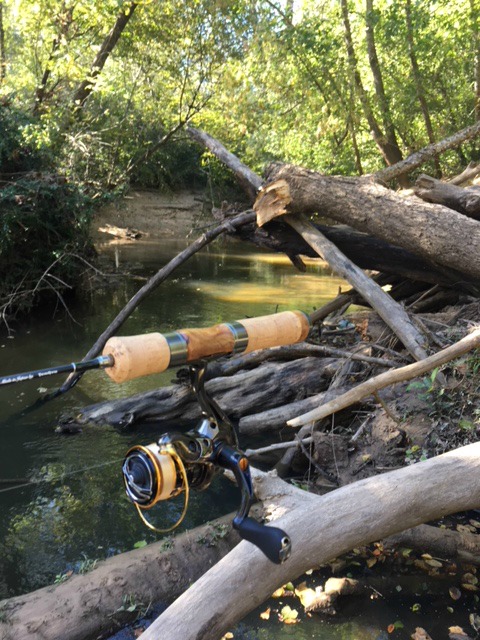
[95,96]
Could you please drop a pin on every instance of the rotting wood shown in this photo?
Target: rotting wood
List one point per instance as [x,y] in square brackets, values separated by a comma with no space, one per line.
[466,344]
[322,529]
[464,200]
[248,392]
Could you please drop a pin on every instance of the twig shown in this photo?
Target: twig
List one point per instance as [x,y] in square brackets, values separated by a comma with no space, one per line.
[388,378]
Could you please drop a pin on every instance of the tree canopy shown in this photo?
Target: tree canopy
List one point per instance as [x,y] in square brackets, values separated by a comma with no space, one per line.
[341,87]
[96,95]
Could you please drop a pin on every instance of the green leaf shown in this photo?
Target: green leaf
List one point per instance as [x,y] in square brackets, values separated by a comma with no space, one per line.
[140,544]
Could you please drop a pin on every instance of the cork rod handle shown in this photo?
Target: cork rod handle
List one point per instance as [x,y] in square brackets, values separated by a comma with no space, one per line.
[136,356]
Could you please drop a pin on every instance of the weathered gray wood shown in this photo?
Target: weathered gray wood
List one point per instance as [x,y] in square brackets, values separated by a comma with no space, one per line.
[391,312]
[429,230]
[248,392]
[463,200]
[321,529]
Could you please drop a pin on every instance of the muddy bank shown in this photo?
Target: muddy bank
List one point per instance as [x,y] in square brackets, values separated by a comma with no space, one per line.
[153,213]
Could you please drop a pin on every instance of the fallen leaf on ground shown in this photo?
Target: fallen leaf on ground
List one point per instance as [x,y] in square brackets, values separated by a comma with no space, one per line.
[420,634]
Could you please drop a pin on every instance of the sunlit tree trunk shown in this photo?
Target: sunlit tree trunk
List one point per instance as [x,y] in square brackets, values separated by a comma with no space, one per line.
[3,58]
[391,138]
[86,87]
[64,20]
[476,47]
[389,155]
[417,78]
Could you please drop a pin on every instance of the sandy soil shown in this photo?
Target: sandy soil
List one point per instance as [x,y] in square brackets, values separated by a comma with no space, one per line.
[153,213]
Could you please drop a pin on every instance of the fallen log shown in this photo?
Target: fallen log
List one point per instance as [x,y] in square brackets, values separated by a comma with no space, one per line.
[445,543]
[247,392]
[87,606]
[321,529]
[433,232]
[421,156]
[391,312]
[364,250]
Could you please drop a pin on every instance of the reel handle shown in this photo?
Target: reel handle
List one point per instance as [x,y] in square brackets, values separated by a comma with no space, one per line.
[272,541]
[142,355]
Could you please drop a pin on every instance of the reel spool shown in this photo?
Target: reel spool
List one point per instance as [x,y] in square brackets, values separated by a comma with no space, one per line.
[153,473]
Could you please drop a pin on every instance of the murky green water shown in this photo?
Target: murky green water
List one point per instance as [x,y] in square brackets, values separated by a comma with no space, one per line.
[50,527]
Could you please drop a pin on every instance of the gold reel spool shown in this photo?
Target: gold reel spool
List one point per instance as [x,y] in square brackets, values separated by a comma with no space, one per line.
[156,467]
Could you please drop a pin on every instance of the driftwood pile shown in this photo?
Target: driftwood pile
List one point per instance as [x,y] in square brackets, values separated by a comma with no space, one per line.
[424,247]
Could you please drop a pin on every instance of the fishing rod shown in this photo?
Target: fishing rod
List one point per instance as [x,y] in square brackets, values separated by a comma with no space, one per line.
[178,462]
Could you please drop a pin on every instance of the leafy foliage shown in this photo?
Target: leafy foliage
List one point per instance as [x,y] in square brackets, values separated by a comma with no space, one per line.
[272,80]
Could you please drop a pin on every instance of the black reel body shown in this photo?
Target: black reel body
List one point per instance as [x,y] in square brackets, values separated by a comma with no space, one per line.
[179,462]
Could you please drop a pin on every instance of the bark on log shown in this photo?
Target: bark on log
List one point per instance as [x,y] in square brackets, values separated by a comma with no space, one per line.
[463,200]
[431,231]
[248,392]
[322,529]
[84,606]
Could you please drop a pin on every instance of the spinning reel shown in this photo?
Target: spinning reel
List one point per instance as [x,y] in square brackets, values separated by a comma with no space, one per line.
[179,462]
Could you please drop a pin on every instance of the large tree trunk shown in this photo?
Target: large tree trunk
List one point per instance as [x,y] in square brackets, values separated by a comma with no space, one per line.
[322,528]
[431,231]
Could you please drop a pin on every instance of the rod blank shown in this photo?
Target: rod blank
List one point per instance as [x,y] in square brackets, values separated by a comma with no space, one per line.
[97,363]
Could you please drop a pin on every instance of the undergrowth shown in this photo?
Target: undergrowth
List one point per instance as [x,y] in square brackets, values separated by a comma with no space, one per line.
[44,223]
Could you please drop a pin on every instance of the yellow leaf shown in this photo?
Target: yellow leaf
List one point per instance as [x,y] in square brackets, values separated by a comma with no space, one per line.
[371,562]
[287,613]
[265,615]
[278,593]
[433,563]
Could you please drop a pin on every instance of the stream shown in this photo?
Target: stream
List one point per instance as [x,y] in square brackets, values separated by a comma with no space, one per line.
[62,500]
